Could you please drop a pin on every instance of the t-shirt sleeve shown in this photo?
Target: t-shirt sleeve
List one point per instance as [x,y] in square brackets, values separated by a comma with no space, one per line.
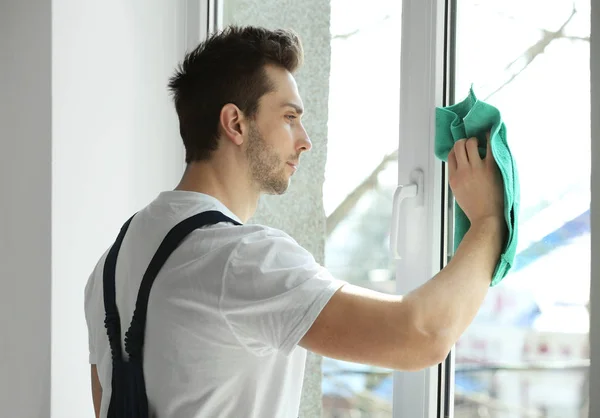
[273,290]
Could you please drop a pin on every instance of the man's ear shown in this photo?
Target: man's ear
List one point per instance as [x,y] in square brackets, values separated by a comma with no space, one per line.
[232,122]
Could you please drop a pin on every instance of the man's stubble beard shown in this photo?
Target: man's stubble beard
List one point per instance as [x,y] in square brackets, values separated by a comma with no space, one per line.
[266,167]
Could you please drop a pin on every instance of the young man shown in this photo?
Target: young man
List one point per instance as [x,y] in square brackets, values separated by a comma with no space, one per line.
[235,307]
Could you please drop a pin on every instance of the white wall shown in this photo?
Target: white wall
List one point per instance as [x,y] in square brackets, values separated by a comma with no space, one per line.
[25,222]
[115,145]
[87,136]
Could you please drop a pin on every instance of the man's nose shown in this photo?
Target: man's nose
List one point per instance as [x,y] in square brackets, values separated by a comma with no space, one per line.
[304,142]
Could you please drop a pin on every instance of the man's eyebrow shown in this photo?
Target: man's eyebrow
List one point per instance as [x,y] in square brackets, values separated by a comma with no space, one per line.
[294,106]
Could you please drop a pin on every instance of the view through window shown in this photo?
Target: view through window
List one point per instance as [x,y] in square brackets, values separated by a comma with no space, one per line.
[527,354]
[360,178]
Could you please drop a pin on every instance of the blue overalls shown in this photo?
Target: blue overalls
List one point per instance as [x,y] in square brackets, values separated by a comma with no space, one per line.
[128,398]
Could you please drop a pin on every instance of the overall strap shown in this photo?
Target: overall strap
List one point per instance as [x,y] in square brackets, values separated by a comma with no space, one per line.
[134,338]
[112,321]
[128,397]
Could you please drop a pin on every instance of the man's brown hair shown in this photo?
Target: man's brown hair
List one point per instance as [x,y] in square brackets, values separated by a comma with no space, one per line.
[229,67]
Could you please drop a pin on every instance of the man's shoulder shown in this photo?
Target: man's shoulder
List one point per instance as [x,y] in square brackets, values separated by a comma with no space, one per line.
[264,244]
[253,233]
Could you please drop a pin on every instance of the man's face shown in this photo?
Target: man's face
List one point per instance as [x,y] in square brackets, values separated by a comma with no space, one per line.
[276,136]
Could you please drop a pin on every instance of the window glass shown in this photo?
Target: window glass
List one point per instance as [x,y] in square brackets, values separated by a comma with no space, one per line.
[527,353]
[360,178]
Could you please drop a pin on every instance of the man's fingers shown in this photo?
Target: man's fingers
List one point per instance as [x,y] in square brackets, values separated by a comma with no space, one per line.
[460,152]
[473,151]
[452,162]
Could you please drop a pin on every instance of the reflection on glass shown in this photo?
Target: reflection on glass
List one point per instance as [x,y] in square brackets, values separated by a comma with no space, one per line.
[526,354]
[360,178]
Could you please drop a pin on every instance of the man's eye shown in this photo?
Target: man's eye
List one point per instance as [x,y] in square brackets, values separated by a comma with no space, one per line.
[291,117]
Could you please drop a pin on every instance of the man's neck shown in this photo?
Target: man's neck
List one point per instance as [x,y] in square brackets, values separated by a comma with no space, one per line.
[219,181]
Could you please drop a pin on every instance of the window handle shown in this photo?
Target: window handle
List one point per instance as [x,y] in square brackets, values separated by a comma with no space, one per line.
[404,191]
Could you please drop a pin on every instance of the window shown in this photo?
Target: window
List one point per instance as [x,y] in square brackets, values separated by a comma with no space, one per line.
[527,352]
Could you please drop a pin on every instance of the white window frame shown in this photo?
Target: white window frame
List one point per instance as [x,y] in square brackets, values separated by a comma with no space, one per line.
[203,17]
[595,213]
[420,240]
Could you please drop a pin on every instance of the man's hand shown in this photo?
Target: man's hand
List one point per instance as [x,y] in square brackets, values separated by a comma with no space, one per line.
[476,183]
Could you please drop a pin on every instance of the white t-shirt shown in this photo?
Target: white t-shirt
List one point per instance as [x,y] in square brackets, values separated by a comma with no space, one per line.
[225,314]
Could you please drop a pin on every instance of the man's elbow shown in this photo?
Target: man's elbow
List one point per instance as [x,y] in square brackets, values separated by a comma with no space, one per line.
[421,350]
[423,357]
[96,390]
[439,352]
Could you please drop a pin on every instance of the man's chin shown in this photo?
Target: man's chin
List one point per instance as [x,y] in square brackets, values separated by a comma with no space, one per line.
[278,189]
[276,192]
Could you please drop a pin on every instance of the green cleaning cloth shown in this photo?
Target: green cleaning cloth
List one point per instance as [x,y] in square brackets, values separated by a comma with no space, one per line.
[474,118]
